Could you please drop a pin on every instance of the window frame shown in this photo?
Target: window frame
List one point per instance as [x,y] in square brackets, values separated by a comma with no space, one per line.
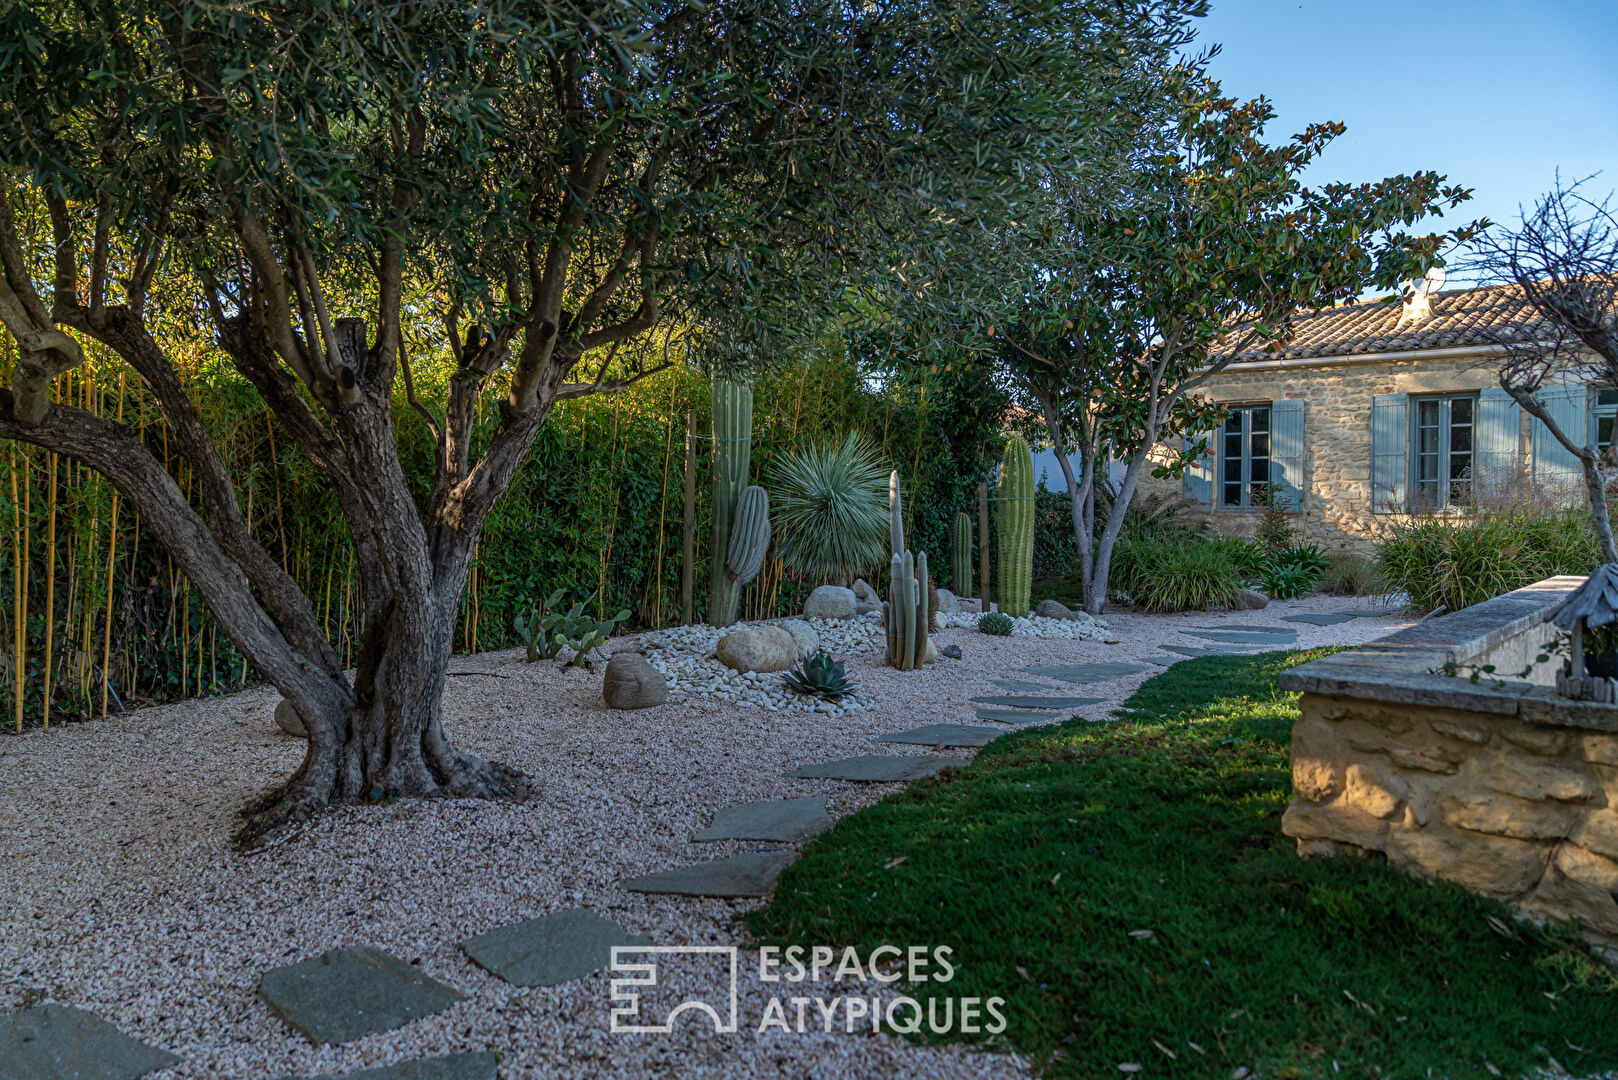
[1600,411]
[1246,411]
[1445,427]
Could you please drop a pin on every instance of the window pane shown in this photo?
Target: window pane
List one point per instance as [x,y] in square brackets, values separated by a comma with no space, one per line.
[1233,422]
[1233,446]
[1261,444]
[1427,440]
[1604,431]
[1261,419]
[1233,469]
[1261,471]
[1609,398]
[1460,410]
[1460,439]
[1427,413]
[1426,467]
[1233,494]
[1460,466]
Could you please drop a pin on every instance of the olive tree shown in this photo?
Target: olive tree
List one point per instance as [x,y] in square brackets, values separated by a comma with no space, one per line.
[536,189]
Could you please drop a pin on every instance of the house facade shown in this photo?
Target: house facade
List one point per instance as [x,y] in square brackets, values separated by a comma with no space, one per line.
[1374,412]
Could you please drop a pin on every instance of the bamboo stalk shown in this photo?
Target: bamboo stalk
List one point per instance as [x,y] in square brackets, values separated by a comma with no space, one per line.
[50,592]
[688,539]
[19,641]
[112,562]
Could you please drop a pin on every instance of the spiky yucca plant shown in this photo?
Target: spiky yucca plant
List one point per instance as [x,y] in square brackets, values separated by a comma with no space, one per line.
[820,676]
[831,503]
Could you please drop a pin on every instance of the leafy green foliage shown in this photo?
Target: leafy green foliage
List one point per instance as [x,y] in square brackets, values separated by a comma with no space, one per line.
[537,630]
[996,623]
[1126,888]
[1245,553]
[1285,581]
[831,502]
[1181,573]
[1274,531]
[546,632]
[1351,575]
[821,677]
[1441,561]
[1308,557]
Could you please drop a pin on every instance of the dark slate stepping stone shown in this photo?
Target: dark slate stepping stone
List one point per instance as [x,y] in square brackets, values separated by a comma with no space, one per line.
[1022,687]
[1014,716]
[785,821]
[550,950]
[1322,619]
[481,1065]
[1250,628]
[752,874]
[1192,650]
[1086,673]
[877,768]
[1016,702]
[1280,637]
[946,735]
[1372,613]
[351,992]
[57,1042]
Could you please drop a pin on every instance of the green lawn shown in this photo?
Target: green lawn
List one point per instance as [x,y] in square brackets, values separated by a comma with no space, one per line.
[1045,864]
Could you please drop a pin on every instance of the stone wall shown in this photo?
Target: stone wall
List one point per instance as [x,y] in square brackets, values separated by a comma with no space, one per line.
[1499,786]
[1336,511]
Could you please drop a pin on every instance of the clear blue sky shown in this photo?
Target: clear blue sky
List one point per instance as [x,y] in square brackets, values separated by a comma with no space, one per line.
[1495,94]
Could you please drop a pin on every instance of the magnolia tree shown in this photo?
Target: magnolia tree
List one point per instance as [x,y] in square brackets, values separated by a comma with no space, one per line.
[535,190]
[1129,304]
[1564,258]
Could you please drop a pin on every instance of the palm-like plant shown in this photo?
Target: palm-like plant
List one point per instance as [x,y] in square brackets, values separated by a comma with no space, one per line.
[831,502]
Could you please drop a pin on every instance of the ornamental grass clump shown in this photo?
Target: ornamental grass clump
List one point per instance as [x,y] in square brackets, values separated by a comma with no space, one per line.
[1176,573]
[832,508]
[1440,561]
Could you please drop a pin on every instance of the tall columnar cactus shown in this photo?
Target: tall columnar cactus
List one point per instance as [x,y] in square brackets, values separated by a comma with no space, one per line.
[896,515]
[1015,517]
[905,613]
[960,554]
[749,535]
[732,401]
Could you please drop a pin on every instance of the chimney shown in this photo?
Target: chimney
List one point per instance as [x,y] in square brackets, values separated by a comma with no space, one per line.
[1418,307]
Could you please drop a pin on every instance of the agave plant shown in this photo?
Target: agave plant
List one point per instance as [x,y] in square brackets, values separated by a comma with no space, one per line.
[820,676]
[996,623]
[831,503]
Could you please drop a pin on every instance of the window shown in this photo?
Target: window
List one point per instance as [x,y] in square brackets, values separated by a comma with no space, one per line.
[1442,438]
[1606,408]
[1244,456]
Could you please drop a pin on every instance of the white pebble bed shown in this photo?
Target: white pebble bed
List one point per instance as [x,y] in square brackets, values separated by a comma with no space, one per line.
[685,656]
[121,894]
[1081,627]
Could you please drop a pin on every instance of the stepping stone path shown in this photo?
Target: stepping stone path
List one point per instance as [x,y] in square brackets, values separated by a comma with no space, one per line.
[877,768]
[1249,628]
[1013,716]
[56,1042]
[1017,687]
[1086,673]
[785,821]
[946,735]
[1040,702]
[1192,650]
[1278,637]
[1372,613]
[1321,619]
[475,1066]
[749,875]
[550,950]
[351,992]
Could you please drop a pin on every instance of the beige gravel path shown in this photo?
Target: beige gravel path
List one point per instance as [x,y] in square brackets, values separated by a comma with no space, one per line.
[119,893]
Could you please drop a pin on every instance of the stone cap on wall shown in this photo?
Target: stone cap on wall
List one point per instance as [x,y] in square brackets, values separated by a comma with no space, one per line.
[1405,667]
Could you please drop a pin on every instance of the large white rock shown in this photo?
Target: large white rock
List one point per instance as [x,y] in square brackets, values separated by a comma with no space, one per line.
[758,648]
[948,602]
[830,602]
[803,636]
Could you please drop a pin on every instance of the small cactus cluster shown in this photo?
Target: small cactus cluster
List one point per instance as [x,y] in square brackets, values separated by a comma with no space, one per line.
[547,631]
[741,514]
[996,623]
[906,614]
[1015,519]
[960,554]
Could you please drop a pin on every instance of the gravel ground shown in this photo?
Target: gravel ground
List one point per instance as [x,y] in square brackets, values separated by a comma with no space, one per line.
[120,893]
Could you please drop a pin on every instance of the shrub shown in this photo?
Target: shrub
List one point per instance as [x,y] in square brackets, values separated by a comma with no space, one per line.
[1247,555]
[996,623]
[831,503]
[1274,531]
[1282,581]
[1455,563]
[1306,557]
[1351,575]
[1176,573]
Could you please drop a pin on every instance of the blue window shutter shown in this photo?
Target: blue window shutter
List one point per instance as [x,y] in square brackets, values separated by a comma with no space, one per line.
[1390,435]
[1557,472]
[1287,454]
[1497,464]
[1199,475]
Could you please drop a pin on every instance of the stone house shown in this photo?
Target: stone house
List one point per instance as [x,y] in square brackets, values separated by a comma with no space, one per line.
[1373,412]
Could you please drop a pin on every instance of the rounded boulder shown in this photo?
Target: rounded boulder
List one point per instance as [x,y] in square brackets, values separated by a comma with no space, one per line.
[288,720]
[830,602]
[631,682]
[758,648]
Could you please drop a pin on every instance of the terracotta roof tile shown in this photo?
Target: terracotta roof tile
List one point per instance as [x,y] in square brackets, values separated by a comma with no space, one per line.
[1459,317]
